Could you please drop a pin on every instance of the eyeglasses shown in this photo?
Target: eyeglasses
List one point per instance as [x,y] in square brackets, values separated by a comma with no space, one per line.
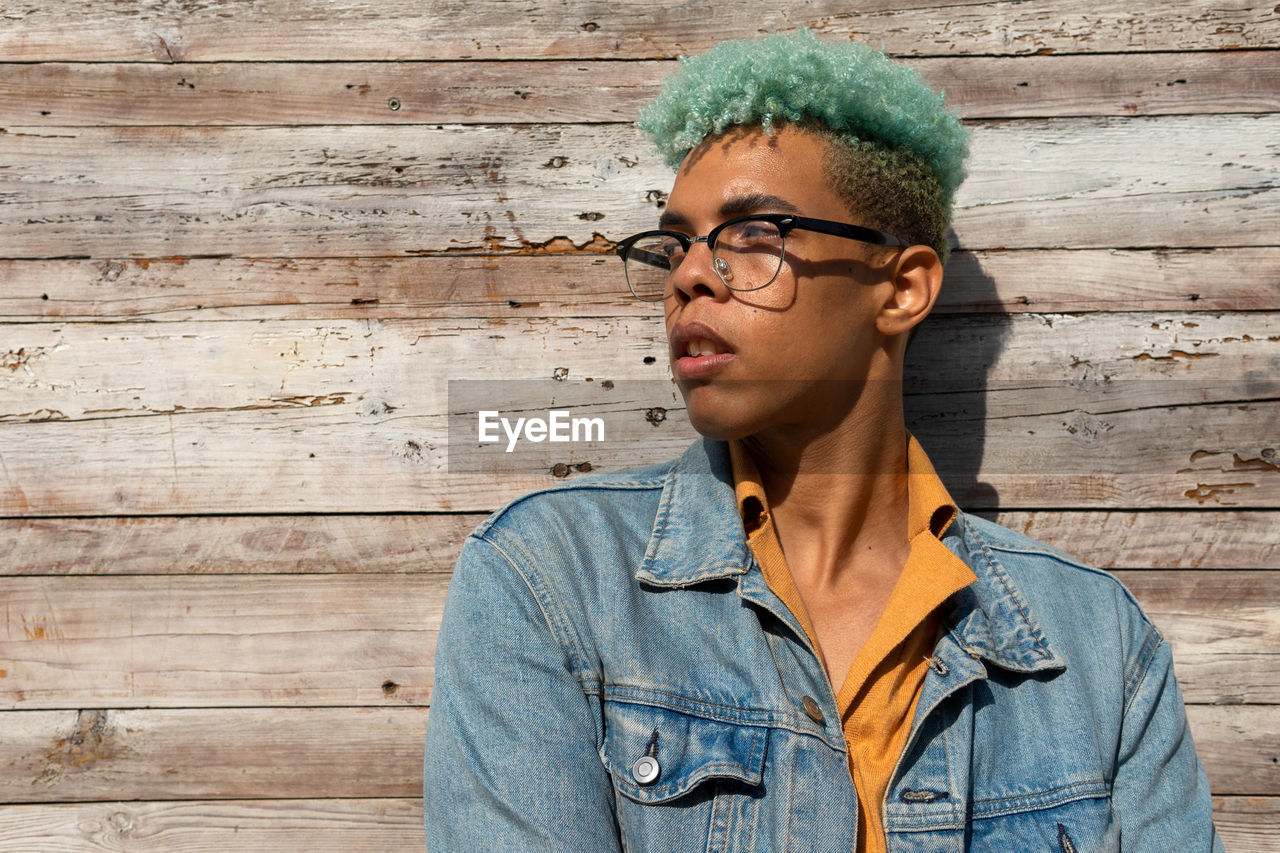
[746,251]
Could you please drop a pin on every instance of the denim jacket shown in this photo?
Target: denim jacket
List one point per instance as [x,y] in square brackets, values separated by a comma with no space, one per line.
[613,673]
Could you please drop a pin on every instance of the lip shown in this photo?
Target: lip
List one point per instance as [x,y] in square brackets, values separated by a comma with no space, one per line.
[697,367]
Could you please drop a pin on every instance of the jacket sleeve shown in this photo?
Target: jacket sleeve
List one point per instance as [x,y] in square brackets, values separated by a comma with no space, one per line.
[511,753]
[1160,794]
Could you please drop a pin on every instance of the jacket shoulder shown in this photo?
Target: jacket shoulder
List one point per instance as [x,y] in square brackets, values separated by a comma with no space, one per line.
[1038,556]
[1058,587]
[566,500]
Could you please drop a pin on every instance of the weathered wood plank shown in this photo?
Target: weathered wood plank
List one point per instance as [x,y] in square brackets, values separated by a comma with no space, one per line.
[153,30]
[1211,456]
[585,285]
[229,753]
[1084,85]
[1246,824]
[246,826]
[75,371]
[1172,540]
[69,756]
[342,544]
[1237,746]
[1161,280]
[1181,181]
[290,93]
[219,640]
[342,417]
[263,544]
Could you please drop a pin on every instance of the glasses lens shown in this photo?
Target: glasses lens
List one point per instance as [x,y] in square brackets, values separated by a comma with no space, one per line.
[649,263]
[748,254]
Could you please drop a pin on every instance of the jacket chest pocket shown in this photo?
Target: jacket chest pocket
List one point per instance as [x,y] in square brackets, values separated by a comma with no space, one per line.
[1077,825]
[683,779]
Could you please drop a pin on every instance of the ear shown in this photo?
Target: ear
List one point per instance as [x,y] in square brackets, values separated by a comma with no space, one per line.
[916,274]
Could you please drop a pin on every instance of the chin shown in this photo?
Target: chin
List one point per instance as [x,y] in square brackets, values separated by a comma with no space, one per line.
[718,415]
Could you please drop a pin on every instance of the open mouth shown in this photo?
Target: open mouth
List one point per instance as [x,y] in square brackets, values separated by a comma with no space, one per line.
[698,347]
[699,352]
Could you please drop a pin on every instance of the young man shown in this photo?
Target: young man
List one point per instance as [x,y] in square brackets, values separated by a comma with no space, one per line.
[790,638]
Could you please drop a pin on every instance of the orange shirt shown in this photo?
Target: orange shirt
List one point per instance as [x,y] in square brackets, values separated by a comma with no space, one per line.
[877,700]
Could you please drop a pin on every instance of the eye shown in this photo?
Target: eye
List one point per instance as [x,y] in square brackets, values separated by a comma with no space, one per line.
[750,234]
[656,250]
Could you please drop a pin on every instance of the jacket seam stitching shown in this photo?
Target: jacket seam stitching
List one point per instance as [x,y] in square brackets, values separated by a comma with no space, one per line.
[1094,787]
[646,484]
[1150,647]
[1042,650]
[564,634]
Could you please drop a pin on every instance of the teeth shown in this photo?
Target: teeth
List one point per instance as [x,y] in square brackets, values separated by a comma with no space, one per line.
[700,347]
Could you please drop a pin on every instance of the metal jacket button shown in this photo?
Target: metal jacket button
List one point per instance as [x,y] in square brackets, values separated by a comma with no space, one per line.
[645,770]
[811,708]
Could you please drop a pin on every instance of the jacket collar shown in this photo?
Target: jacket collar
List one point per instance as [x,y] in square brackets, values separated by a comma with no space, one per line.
[991,619]
[698,536]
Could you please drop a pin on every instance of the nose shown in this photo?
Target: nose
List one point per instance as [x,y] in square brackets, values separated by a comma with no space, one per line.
[696,274]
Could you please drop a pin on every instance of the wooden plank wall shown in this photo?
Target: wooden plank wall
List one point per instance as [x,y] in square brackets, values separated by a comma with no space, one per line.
[244,245]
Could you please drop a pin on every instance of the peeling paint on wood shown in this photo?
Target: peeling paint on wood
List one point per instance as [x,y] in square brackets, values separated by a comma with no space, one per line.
[182,289]
[364,191]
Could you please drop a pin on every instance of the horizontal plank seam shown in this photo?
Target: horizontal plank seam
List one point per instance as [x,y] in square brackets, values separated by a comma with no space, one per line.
[970,122]
[987,513]
[1177,406]
[202,708]
[672,58]
[66,803]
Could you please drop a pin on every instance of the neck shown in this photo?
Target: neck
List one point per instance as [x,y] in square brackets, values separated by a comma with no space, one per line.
[842,491]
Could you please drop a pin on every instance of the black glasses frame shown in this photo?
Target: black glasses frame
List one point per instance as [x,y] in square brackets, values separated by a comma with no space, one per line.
[784,222]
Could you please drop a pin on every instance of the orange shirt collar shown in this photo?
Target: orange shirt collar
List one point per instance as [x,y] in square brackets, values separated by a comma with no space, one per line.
[929,505]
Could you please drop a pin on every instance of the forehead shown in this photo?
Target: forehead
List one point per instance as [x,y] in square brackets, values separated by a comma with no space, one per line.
[788,164]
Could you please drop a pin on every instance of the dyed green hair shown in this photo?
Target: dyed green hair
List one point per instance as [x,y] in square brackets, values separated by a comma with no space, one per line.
[903,152]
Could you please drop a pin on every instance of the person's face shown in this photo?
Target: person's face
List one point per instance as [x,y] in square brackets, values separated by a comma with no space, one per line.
[799,350]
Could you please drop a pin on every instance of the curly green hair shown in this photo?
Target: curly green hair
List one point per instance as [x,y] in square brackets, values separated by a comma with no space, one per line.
[897,154]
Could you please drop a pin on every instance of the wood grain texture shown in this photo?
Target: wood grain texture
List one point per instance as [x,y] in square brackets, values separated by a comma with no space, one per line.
[590,285]
[207,418]
[309,460]
[155,31]
[229,753]
[1172,540]
[259,544]
[246,826]
[1246,825]
[72,94]
[69,756]
[1237,747]
[1171,181]
[219,640]
[85,371]
[410,544]
[222,640]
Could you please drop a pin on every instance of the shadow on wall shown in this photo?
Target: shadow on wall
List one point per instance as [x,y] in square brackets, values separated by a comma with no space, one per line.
[946,377]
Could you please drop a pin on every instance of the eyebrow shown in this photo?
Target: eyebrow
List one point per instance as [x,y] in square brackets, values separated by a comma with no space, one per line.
[736,206]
